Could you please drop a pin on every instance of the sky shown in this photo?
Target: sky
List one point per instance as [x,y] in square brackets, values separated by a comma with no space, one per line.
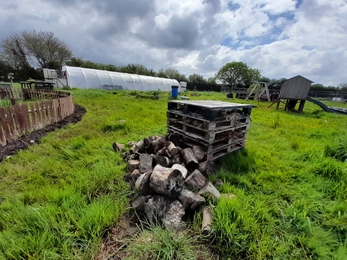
[280,38]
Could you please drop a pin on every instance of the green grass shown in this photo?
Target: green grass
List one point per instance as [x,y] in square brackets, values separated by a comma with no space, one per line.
[59,198]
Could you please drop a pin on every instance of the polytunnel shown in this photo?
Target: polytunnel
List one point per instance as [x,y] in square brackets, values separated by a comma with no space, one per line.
[84,78]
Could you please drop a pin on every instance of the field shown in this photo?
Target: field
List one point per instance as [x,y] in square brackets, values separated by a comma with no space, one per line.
[59,198]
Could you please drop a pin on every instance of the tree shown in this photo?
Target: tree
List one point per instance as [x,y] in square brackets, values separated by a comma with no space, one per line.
[196,78]
[31,48]
[46,48]
[171,74]
[13,52]
[237,74]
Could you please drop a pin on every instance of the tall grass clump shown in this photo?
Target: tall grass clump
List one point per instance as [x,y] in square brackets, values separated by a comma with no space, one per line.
[338,152]
[157,243]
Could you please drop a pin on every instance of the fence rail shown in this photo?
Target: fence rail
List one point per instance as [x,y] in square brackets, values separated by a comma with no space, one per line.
[20,119]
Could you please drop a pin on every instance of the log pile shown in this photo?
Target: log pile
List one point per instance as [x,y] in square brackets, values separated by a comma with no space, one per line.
[170,181]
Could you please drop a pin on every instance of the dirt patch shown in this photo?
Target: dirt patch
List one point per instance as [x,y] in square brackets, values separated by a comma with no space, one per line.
[117,239]
[25,141]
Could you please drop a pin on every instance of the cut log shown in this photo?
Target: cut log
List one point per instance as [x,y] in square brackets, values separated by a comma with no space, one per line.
[139,203]
[190,159]
[142,184]
[133,164]
[171,148]
[146,162]
[132,177]
[163,210]
[195,180]
[173,217]
[198,152]
[176,159]
[206,226]
[140,145]
[166,181]
[182,169]
[163,161]
[158,143]
[207,168]
[118,147]
[210,192]
[163,152]
[190,200]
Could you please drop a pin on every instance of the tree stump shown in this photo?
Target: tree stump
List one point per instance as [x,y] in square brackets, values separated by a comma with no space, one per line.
[166,181]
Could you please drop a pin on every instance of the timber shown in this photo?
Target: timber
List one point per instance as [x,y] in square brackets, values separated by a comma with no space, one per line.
[206,226]
[195,180]
[142,184]
[198,152]
[190,159]
[166,181]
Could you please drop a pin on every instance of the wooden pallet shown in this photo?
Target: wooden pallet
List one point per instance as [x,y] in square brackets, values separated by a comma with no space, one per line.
[235,119]
[208,148]
[211,156]
[209,109]
[209,137]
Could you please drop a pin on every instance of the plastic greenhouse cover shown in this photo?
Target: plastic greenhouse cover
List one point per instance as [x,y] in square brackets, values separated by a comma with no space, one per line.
[84,78]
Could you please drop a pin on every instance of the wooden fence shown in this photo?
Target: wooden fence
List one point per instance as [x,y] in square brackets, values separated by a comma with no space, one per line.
[24,118]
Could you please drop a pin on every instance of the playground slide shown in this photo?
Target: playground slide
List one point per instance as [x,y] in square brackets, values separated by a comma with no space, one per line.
[325,107]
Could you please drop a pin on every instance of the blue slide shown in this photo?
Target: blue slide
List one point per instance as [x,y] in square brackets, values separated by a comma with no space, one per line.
[325,107]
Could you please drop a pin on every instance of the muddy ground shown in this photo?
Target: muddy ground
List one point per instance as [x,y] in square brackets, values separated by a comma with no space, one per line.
[25,141]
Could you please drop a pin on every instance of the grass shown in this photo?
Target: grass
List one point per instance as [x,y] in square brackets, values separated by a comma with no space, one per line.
[59,198]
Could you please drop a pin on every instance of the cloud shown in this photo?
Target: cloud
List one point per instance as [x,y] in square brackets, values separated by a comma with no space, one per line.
[281,38]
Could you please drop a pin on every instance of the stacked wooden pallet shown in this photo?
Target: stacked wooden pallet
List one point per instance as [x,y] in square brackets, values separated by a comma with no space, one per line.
[218,127]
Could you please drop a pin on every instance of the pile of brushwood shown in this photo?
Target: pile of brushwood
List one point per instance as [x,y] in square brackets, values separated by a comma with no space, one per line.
[170,181]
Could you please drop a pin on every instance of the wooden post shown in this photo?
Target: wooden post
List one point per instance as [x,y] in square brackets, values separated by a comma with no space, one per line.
[302,104]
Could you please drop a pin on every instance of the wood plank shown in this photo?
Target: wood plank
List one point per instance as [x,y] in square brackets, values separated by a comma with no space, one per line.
[4,124]
[55,110]
[11,122]
[38,114]
[18,119]
[51,110]
[2,137]
[47,107]
[25,115]
[43,115]
[33,116]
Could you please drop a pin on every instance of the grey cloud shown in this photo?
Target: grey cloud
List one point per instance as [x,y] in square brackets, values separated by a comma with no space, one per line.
[180,33]
[213,5]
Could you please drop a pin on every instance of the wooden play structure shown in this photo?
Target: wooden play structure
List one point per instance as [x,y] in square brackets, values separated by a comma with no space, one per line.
[258,89]
[293,90]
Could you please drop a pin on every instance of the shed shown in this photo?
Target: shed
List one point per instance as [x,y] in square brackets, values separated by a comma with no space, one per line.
[84,78]
[293,90]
